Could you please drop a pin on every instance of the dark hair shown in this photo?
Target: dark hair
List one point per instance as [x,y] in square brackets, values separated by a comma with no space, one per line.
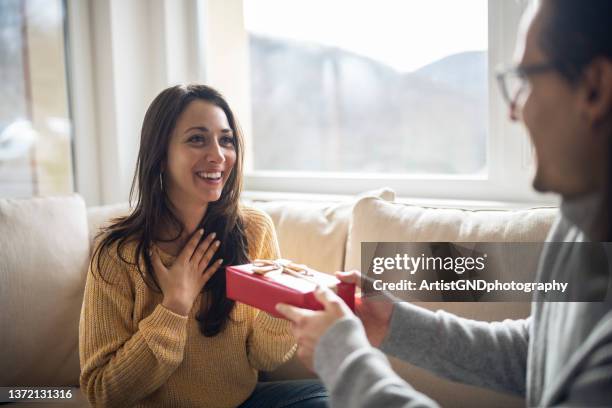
[575,33]
[152,206]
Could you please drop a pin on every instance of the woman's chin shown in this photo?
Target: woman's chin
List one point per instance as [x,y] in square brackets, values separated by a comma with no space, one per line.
[210,195]
[208,192]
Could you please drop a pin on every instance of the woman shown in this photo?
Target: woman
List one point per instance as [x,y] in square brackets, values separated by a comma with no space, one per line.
[156,327]
[562,354]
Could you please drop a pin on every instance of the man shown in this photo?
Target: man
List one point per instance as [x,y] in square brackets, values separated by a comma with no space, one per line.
[562,354]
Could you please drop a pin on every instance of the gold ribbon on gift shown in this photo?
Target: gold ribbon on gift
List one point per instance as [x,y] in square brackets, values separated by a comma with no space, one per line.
[274,267]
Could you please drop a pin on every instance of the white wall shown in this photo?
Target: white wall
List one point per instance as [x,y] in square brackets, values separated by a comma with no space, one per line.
[123,53]
[225,59]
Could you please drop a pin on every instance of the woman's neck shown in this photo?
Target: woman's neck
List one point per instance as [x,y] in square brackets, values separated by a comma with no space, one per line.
[190,216]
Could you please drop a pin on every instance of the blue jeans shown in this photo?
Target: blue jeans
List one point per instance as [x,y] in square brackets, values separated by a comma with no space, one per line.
[287,394]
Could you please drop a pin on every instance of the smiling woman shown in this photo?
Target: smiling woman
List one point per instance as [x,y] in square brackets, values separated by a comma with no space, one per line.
[157,328]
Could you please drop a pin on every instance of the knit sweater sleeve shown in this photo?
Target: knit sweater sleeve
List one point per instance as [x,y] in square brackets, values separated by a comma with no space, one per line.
[270,342]
[122,361]
[484,354]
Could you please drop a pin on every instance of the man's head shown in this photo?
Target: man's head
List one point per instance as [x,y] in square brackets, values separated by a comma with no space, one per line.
[565,65]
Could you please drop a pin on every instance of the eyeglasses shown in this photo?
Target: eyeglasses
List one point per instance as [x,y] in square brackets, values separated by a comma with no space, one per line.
[513,82]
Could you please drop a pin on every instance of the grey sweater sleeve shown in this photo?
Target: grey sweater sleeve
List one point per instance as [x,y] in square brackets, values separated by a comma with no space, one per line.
[589,381]
[491,355]
[357,375]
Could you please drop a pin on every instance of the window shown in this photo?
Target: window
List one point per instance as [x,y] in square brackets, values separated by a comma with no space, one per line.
[467,151]
[346,86]
[35,141]
[324,135]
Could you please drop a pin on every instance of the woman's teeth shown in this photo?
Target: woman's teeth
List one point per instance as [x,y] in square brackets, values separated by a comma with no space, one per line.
[210,176]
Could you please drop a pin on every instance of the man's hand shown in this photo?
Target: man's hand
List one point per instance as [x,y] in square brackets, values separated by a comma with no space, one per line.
[308,326]
[374,311]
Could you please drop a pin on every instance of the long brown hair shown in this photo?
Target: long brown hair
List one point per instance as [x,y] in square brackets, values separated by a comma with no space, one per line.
[152,207]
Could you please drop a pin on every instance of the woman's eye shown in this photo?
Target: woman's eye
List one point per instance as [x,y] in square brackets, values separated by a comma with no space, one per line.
[227,141]
[196,139]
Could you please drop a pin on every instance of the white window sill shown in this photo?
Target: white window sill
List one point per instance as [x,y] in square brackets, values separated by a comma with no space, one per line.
[424,202]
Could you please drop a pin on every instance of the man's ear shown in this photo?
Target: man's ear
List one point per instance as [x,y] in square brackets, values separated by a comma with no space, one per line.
[597,91]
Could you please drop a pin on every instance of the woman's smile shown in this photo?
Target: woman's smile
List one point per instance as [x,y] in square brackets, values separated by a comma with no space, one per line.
[210,178]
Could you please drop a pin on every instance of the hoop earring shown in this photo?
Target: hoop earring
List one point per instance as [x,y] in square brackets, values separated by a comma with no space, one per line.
[161,181]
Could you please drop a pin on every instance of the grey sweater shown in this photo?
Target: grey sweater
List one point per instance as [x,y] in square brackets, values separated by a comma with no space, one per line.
[560,356]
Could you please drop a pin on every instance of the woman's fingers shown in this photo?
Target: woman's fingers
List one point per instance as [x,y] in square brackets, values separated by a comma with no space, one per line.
[207,255]
[202,247]
[191,246]
[156,260]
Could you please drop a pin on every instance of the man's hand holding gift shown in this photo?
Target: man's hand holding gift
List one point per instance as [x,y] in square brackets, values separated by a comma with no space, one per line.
[309,326]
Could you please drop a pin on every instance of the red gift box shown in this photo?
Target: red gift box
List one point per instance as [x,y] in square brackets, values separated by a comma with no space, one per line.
[263,284]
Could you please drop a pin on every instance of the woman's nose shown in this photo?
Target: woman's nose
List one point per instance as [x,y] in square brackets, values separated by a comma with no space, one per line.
[214,153]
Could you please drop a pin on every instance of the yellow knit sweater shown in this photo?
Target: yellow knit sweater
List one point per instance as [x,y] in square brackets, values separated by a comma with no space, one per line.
[135,352]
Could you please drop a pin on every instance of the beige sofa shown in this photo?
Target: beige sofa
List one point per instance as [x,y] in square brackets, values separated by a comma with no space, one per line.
[45,244]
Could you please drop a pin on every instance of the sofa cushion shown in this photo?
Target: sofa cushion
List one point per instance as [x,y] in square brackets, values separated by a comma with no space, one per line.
[375,220]
[315,233]
[99,217]
[45,253]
